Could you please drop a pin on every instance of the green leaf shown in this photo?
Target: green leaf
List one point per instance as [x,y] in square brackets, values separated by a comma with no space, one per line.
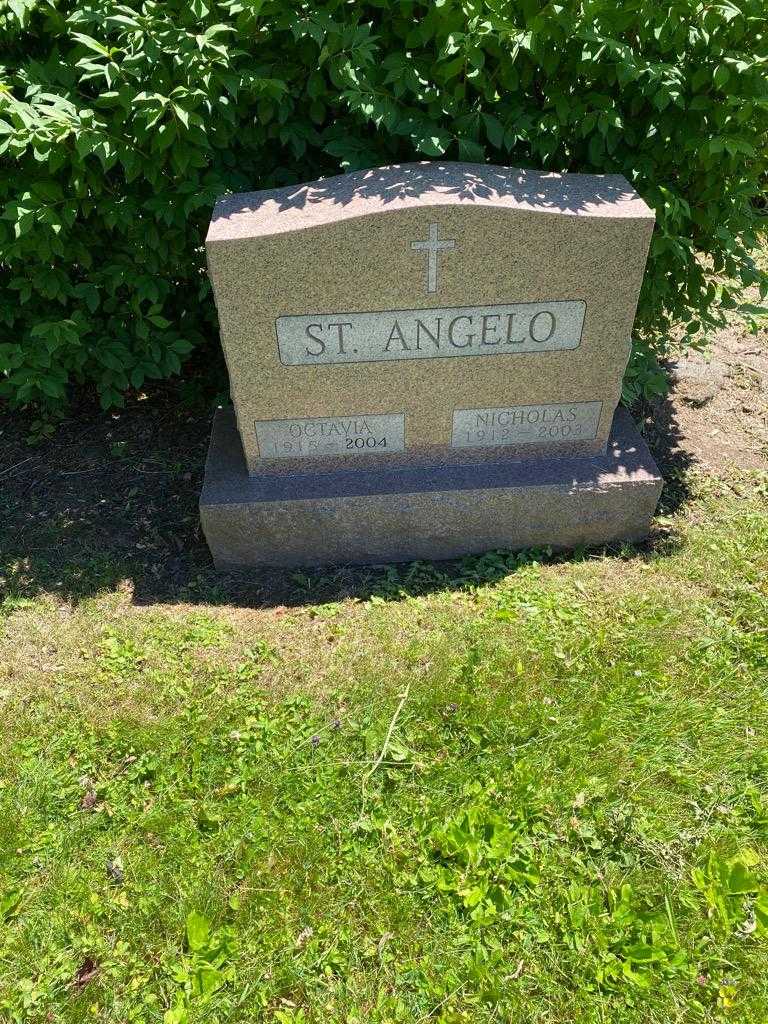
[740,880]
[494,130]
[198,931]
[721,76]
[596,150]
[122,21]
[165,136]
[9,904]
[182,346]
[209,980]
[92,44]
[177,1015]
[433,145]
[471,150]
[181,113]
[761,913]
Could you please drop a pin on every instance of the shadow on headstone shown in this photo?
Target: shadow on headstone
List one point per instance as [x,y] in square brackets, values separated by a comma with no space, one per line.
[471,182]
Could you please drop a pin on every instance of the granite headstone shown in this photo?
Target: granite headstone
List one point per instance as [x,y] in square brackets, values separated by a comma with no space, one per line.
[426,360]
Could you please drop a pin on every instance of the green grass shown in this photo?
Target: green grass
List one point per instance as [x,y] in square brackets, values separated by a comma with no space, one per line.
[510,790]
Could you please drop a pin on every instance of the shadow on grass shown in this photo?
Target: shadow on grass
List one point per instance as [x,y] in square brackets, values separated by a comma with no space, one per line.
[661,429]
[78,575]
[110,502]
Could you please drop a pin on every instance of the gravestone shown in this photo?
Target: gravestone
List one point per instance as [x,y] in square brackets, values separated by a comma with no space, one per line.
[425,361]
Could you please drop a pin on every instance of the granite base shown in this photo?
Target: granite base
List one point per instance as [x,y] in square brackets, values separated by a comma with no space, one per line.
[373,514]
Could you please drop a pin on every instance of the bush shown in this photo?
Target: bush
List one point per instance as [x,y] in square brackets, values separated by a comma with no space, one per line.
[119,126]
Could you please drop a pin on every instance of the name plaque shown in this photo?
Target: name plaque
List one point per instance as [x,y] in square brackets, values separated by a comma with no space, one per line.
[520,327]
[525,424]
[332,435]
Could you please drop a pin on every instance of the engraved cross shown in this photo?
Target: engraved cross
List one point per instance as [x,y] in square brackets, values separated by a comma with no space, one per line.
[432,247]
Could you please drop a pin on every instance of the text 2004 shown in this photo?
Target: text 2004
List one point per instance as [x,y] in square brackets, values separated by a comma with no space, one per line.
[366,442]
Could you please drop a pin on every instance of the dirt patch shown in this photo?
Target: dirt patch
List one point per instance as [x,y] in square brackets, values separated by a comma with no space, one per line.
[715,417]
[111,496]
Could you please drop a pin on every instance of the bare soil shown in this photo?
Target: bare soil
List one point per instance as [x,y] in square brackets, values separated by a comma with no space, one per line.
[715,417]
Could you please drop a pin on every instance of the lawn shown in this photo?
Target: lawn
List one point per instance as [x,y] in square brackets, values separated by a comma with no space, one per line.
[508,789]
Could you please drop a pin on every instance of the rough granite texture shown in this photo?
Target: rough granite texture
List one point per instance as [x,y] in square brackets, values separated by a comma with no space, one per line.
[399,513]
[344,245]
